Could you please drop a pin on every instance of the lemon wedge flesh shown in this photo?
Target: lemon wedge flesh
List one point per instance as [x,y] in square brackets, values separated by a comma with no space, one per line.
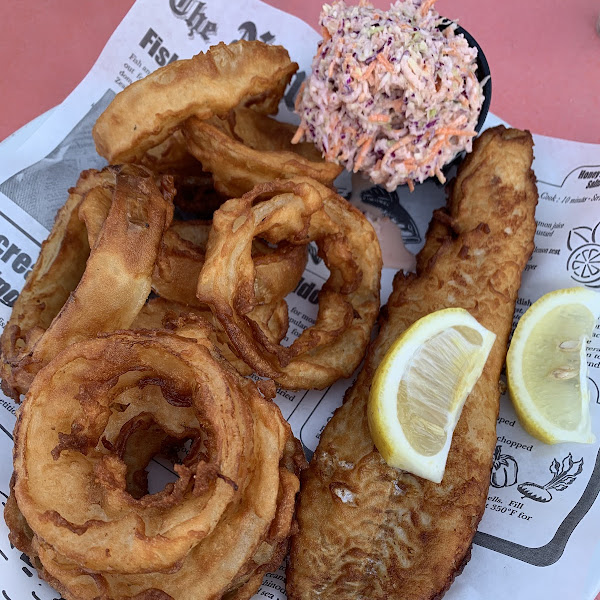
[420,387]
[547,366]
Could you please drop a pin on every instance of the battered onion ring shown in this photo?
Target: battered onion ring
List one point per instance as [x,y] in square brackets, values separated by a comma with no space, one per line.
[212,83]
[250,148]
[196,196]
[278,270]
[182,253]
[171,156]
[74,292]
[299,210]
[212,533]
[178,267]
[160,313]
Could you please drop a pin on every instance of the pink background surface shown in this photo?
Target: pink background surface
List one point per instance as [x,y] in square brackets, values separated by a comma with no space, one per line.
[544,56]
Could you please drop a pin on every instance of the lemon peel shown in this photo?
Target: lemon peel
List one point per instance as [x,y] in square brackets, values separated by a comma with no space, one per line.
[547,366]
[420,387]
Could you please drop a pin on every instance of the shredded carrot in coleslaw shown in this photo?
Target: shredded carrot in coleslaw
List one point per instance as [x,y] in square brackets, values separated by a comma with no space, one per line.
[426,6]
[361,155]
[387,65]
[390,94]
[298,135]
[380,118]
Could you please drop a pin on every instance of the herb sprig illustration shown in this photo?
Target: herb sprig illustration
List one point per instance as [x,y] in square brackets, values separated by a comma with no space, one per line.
[563,476]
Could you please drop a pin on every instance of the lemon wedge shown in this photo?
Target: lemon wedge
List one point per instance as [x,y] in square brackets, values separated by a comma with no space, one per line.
[420,387]
[546,366]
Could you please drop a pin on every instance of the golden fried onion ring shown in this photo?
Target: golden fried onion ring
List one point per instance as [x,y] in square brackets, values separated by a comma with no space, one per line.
[181,257]
[160,313]
[249,148]
[74,292]
[300,211]
[217,528]
[196,196]
[178,267]
[182,253]
[172,157]
[211,83]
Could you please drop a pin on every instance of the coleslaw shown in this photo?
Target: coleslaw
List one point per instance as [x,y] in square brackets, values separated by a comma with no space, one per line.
[393,93]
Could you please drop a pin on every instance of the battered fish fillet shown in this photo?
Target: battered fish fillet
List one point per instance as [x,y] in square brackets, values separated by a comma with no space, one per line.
[371,532]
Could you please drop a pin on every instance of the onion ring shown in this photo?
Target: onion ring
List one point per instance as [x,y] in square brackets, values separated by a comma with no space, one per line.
[171,156]
[178,267]
[181,258]
[218,527]
[196,196]
[145,113]
[300,210]
[159,313]
[250,148]
[74,292]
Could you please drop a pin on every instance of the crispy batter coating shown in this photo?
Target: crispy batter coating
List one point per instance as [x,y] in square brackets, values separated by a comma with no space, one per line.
[367,530]
[93,419]
[211,83]
[91,277]
[189,321]
[298,210]
[181,257]
[249,148]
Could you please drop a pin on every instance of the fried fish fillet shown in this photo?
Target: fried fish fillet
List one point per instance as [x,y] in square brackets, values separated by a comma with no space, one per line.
[368,531]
